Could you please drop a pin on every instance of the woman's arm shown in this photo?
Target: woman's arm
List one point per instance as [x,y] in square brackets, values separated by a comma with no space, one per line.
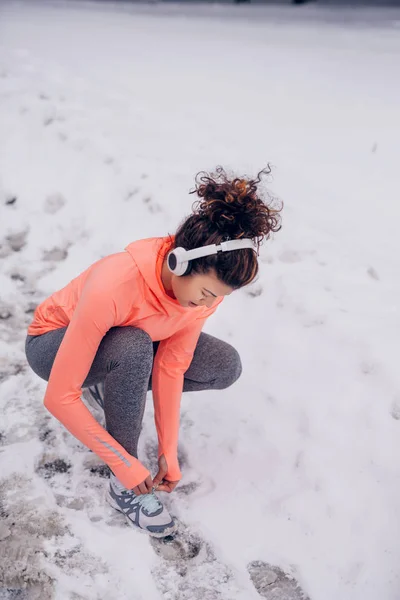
[103,303]
[171,362]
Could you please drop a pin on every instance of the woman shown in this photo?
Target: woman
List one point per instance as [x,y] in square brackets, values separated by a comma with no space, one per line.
[132,322]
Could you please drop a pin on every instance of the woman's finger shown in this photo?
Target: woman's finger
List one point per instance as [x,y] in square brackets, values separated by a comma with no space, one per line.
[163,488]
[167,486]
[136,491]
[143,487]
[148,482]
[157,480]
[159,477]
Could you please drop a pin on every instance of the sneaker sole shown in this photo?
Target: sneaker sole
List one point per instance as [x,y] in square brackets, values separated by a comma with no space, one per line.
[114,505]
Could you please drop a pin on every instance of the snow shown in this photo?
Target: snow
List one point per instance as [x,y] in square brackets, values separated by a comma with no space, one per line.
[107,111]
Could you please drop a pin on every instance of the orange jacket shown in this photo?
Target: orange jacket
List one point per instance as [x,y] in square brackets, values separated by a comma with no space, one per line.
[120,290]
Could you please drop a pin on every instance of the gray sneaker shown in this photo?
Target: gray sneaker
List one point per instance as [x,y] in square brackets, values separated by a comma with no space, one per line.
[144,512]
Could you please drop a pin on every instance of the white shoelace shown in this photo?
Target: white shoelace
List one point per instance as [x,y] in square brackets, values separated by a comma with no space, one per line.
[150,502]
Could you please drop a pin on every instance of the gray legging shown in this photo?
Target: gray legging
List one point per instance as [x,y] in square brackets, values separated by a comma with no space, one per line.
[124,362]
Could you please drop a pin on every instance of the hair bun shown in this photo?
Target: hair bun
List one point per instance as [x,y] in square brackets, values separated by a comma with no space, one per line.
[234,207]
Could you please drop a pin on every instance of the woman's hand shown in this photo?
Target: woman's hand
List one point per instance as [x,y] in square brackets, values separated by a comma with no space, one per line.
[167,486]
[161,484]
[144,488]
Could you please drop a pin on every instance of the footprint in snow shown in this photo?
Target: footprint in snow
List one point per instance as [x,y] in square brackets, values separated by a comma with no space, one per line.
[5,312]
[273,584]
[373,273]
[18,276]
[190,570]
[30,308]
[79,486]
[131,193]
[76,560]
[8,369]
[187,489]
[49,467]
[54,203]
[26,523]
[100,470]
[13,243]
[254,291]
[55,254]
[46,433]
[152,206]
[12,594]
[367,367]
[16,241]
[184,545]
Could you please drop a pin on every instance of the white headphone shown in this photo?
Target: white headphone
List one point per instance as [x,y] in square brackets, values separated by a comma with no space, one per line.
[179,258]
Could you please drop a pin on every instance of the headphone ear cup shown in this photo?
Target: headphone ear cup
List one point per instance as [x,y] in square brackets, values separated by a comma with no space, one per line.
[172,262]
[176,263]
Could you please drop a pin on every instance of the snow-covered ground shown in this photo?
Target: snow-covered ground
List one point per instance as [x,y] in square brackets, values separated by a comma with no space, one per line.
[106,114]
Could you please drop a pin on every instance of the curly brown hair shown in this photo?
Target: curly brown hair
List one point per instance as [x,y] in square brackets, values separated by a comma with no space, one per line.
[228,209]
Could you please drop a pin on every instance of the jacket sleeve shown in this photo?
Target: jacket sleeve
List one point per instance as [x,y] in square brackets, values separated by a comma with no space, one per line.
[172,360]
[102,304]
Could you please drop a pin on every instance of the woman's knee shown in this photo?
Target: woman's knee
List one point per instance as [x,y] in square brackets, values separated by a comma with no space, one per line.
[135,346]
[41,351]
[232,367]
[215,365]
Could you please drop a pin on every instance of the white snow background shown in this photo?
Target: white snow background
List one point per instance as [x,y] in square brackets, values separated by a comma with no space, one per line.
[107,112]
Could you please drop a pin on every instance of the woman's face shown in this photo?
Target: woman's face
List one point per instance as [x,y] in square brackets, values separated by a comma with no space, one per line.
[198,289]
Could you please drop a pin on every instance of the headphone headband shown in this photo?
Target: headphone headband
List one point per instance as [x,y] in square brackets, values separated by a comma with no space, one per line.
[216,248]
[179,258]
